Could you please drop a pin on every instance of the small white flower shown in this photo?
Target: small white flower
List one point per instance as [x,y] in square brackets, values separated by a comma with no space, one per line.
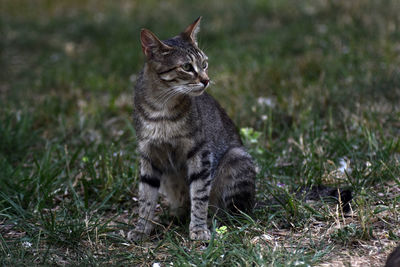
[344,166]
[69,48]
[281,185]
[156,264]
[297,263]
[368,167]
[26,244]
[265,101]
[116,154]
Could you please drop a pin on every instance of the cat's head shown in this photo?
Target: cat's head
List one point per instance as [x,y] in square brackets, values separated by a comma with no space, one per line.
[177,62]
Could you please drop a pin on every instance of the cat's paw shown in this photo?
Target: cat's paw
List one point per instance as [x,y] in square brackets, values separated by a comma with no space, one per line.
[137,236]
[200,234]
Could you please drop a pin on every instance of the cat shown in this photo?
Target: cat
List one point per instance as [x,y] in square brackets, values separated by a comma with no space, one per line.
[393,260]
[190,150]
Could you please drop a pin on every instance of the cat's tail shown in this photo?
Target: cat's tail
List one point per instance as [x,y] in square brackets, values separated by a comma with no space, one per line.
[394,258]
[342,197]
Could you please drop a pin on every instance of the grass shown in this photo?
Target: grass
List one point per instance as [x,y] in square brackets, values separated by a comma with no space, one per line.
[314,85]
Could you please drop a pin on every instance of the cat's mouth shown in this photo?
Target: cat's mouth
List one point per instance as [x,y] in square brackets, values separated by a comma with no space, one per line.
[196,88]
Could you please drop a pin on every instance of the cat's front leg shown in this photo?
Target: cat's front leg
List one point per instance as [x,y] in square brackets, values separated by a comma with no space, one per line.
[148,195]
[200,179]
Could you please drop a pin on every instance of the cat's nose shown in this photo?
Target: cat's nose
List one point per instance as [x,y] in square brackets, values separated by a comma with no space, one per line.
[205,82]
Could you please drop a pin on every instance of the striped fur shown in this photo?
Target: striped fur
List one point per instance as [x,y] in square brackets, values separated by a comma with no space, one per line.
[190,149]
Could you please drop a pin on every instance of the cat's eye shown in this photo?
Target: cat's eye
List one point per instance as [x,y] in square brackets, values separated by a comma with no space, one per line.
[204,65]
[187,67]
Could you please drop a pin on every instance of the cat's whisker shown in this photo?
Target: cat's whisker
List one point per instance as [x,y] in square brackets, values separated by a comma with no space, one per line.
[172,92]
[176,92]
[167,96]
[162,96]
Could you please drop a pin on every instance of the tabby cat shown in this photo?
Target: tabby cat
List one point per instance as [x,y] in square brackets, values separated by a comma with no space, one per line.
[189,148]
[393,259]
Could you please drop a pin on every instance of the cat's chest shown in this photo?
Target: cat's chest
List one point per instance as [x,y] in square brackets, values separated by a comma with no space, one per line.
[167,143]
[165,130]
[165,123]
[168,156]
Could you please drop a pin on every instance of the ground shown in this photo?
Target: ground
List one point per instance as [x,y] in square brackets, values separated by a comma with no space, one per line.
[313,86]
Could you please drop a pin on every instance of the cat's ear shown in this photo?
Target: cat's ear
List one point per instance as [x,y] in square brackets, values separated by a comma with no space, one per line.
[190,33]
[150,43]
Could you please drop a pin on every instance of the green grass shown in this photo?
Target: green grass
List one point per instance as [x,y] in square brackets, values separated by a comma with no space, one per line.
[317,81]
